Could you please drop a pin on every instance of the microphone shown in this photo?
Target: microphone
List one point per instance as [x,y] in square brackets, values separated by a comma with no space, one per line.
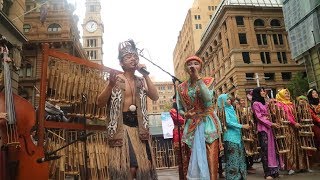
[144,71]
[48,158]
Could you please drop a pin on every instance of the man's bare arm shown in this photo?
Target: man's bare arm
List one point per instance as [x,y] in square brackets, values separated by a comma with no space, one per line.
[103,98]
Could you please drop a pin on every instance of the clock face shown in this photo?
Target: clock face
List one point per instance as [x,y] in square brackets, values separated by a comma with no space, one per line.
[91,26]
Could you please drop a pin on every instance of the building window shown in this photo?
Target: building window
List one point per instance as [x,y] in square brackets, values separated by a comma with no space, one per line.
[275,22]
[210,16]
[277,39]
[282,57]
[55,7]
[239,20]
[262,39]
[265,57]
[91,42]
[211,8]
[92,8]
[197,17]
[269,76]
[249,76]
[54,27]
[286,75]
[198,26]
[28,70]
[26,28]
[242,38]
[246,57]
[154,108]
[92,54]
[258,22]
[228,43]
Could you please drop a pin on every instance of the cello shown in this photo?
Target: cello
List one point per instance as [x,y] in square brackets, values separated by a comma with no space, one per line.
[18,152]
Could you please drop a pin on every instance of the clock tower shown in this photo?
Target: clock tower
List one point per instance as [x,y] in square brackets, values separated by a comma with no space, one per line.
[92,31]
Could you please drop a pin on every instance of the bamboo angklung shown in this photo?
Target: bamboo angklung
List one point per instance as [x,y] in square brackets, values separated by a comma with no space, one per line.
[277,115]
[249,136]
[69,81]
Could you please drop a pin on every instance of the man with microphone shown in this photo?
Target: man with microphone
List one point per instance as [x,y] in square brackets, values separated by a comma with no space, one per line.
[128,133]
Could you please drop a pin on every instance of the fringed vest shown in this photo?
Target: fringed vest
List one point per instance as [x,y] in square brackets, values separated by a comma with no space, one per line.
[115,129]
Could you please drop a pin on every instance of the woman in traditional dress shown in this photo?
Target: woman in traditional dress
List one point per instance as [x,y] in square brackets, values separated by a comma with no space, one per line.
[178,120]
[202,128]
[235,167]
[270,161]
[295,159]
[313,98]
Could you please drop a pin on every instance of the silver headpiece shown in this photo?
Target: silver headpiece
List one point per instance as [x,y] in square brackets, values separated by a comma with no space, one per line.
[127,47]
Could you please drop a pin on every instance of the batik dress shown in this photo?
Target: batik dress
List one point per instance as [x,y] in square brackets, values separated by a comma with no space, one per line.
[201,132]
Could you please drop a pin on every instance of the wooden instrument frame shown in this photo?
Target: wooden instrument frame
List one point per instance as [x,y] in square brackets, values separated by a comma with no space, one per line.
[43,88]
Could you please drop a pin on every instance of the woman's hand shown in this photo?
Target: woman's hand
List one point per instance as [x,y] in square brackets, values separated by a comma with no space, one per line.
[3,118]
[297,126]
[246,126]
[275,125]
[189,114]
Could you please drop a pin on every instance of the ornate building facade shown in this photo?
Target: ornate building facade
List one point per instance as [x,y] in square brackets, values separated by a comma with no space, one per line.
[58,28]
[93,31]
[188,41]
[11,22]
[245,46]
[164,103]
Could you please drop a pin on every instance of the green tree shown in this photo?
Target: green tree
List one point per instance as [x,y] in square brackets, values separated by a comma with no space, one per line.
[298,85]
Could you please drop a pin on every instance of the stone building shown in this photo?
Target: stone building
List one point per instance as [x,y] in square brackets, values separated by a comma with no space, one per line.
[58,28]
[188,41]
[302,20]
[164,103]
[93,31]
[247,45]
[11,22]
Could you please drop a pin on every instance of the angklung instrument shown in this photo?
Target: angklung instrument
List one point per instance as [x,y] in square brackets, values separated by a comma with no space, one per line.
[278,115]
[249,136]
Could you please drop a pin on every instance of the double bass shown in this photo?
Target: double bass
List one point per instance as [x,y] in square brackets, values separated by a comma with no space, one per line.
[19,153]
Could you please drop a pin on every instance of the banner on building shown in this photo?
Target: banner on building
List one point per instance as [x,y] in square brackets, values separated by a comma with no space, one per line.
[167,125]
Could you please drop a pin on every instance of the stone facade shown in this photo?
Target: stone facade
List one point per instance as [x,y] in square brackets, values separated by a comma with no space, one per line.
[245,46]
[189,37]
[11,20]
[59,30]
[164,103]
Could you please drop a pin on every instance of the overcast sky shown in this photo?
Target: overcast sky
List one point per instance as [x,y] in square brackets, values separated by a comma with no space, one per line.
[153,24]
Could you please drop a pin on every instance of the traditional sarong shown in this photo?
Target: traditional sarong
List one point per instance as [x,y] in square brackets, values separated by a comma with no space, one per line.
[295,159]
[235,161]
[133,153]
[268,171]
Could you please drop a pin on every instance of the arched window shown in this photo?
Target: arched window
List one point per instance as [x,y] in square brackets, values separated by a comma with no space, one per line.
[258,22]
[215,42]
[210,49]
[54,27]
[26,28]
[275,22]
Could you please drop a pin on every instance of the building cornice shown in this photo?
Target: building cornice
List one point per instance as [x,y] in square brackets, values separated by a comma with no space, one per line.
[12,28]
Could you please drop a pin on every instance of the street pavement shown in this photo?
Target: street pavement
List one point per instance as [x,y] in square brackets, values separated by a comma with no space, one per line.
[172,174]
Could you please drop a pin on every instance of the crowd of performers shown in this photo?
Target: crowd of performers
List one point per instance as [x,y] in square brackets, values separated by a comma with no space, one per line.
[282,132]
